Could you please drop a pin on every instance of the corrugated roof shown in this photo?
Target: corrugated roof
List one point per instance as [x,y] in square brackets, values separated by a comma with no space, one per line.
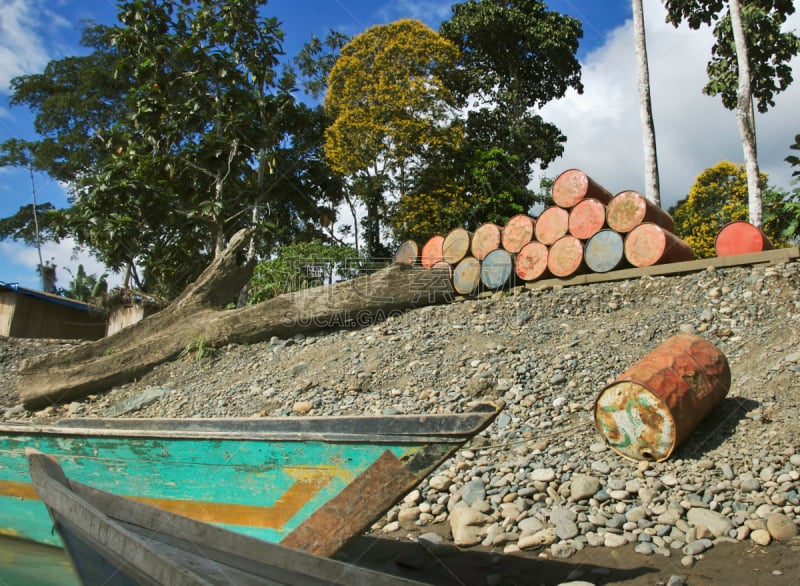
[49,297]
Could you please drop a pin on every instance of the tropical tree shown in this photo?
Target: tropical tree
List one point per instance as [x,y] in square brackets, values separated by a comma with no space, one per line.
[750,61]
[719,196]
[515,57]
[389,108]
[651,181]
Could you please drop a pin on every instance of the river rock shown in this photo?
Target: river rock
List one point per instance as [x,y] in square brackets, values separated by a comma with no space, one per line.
[583,486]
[467,525]
[716,522]
[781,527]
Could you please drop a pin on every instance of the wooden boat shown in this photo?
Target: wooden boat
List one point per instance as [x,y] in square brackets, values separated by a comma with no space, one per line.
[113,540]
[310,483]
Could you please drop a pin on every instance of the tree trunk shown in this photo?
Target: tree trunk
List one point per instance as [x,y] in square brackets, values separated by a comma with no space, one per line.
[744,116]
[652,188]
[194,318]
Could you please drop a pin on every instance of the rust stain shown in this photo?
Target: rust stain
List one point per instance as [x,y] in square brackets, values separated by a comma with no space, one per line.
[353,509]
[22,490]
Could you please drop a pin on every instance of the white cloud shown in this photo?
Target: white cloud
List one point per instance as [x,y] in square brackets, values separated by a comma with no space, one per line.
[693,131]
[21,262]
[22,48]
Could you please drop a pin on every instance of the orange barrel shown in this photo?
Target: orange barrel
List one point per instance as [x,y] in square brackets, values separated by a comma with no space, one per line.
[517,232]
[485,239]
[432,251]
[467,275]
[655,404]
[442,265]
[573,185]
[565,257]
[648,244]
[531,261]
[587,218]
[604,251]
[740,238]
[407,253]
[456,245]
[551,225]
[496,268]
[628,209]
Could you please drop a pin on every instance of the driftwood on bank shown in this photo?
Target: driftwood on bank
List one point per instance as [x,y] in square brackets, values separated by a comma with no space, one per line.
[195,317]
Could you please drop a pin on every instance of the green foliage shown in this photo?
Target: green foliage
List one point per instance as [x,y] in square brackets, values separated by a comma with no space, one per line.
[718,197]
[198,347]
[300,266]
[769,49]
[84,287]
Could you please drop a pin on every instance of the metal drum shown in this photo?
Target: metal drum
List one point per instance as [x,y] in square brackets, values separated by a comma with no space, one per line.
[655,404]
[604,251]
[565,257]
[407,253]
[531,261]
[485,239]
[432,251]
[456,245]
[467,276]
[628,209]
[587,218]
[517,232]
[573,185]
[740,238]
[496,269]
[649,244]
[551,225]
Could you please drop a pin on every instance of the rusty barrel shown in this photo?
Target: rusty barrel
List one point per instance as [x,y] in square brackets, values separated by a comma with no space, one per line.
[573,185]
[467,276]
[740,238]
[565,257]
[531,261]
[655,404]
[432,251]
[456,245]
[587,218]
[407,253]
[496,268]
[517,232]
[648,244]
[551,225]
[628,209]
[486,238]
[605,251]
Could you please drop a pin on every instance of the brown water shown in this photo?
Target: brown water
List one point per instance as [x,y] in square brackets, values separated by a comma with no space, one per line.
[24,563]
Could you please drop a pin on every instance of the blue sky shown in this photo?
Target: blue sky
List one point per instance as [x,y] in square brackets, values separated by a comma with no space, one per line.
[693,131]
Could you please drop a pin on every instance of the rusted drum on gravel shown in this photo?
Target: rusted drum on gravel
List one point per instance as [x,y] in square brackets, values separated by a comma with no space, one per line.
[517,232]
[655,404]
[628,209]
[456,245]
[649,244]
[573,185]
[407,253]
[486,238]
[587,218]
[565,257]
[496,268]
[531,262]
[552,224]
[740,238]
[605,251]
[467,276]
[432,251]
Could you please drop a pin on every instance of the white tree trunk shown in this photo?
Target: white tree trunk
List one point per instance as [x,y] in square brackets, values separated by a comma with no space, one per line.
[652,188]
[744,115]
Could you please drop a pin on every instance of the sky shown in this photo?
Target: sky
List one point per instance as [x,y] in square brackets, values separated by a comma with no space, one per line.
[693,131]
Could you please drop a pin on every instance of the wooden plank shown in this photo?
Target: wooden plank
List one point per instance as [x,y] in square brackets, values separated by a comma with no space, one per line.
[777,256]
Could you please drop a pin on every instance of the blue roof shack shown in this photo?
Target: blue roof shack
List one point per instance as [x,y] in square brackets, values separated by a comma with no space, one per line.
[28,313]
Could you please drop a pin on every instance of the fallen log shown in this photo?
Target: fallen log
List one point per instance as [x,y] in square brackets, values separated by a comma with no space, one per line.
[196,318]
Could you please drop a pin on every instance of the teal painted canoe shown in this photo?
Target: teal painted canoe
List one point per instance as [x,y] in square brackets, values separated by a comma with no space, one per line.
[310,483]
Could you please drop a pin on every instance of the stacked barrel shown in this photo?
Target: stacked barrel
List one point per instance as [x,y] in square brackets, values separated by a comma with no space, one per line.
[586,230]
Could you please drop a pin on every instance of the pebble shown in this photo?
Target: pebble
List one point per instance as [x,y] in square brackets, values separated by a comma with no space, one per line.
[515,485]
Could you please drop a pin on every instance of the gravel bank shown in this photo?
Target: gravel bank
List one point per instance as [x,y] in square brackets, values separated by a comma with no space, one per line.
[540,478]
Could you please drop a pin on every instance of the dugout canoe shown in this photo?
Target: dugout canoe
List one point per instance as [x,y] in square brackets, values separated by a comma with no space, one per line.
[116,541]
[311,483]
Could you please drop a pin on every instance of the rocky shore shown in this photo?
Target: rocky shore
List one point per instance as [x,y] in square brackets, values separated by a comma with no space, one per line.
[541,479]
